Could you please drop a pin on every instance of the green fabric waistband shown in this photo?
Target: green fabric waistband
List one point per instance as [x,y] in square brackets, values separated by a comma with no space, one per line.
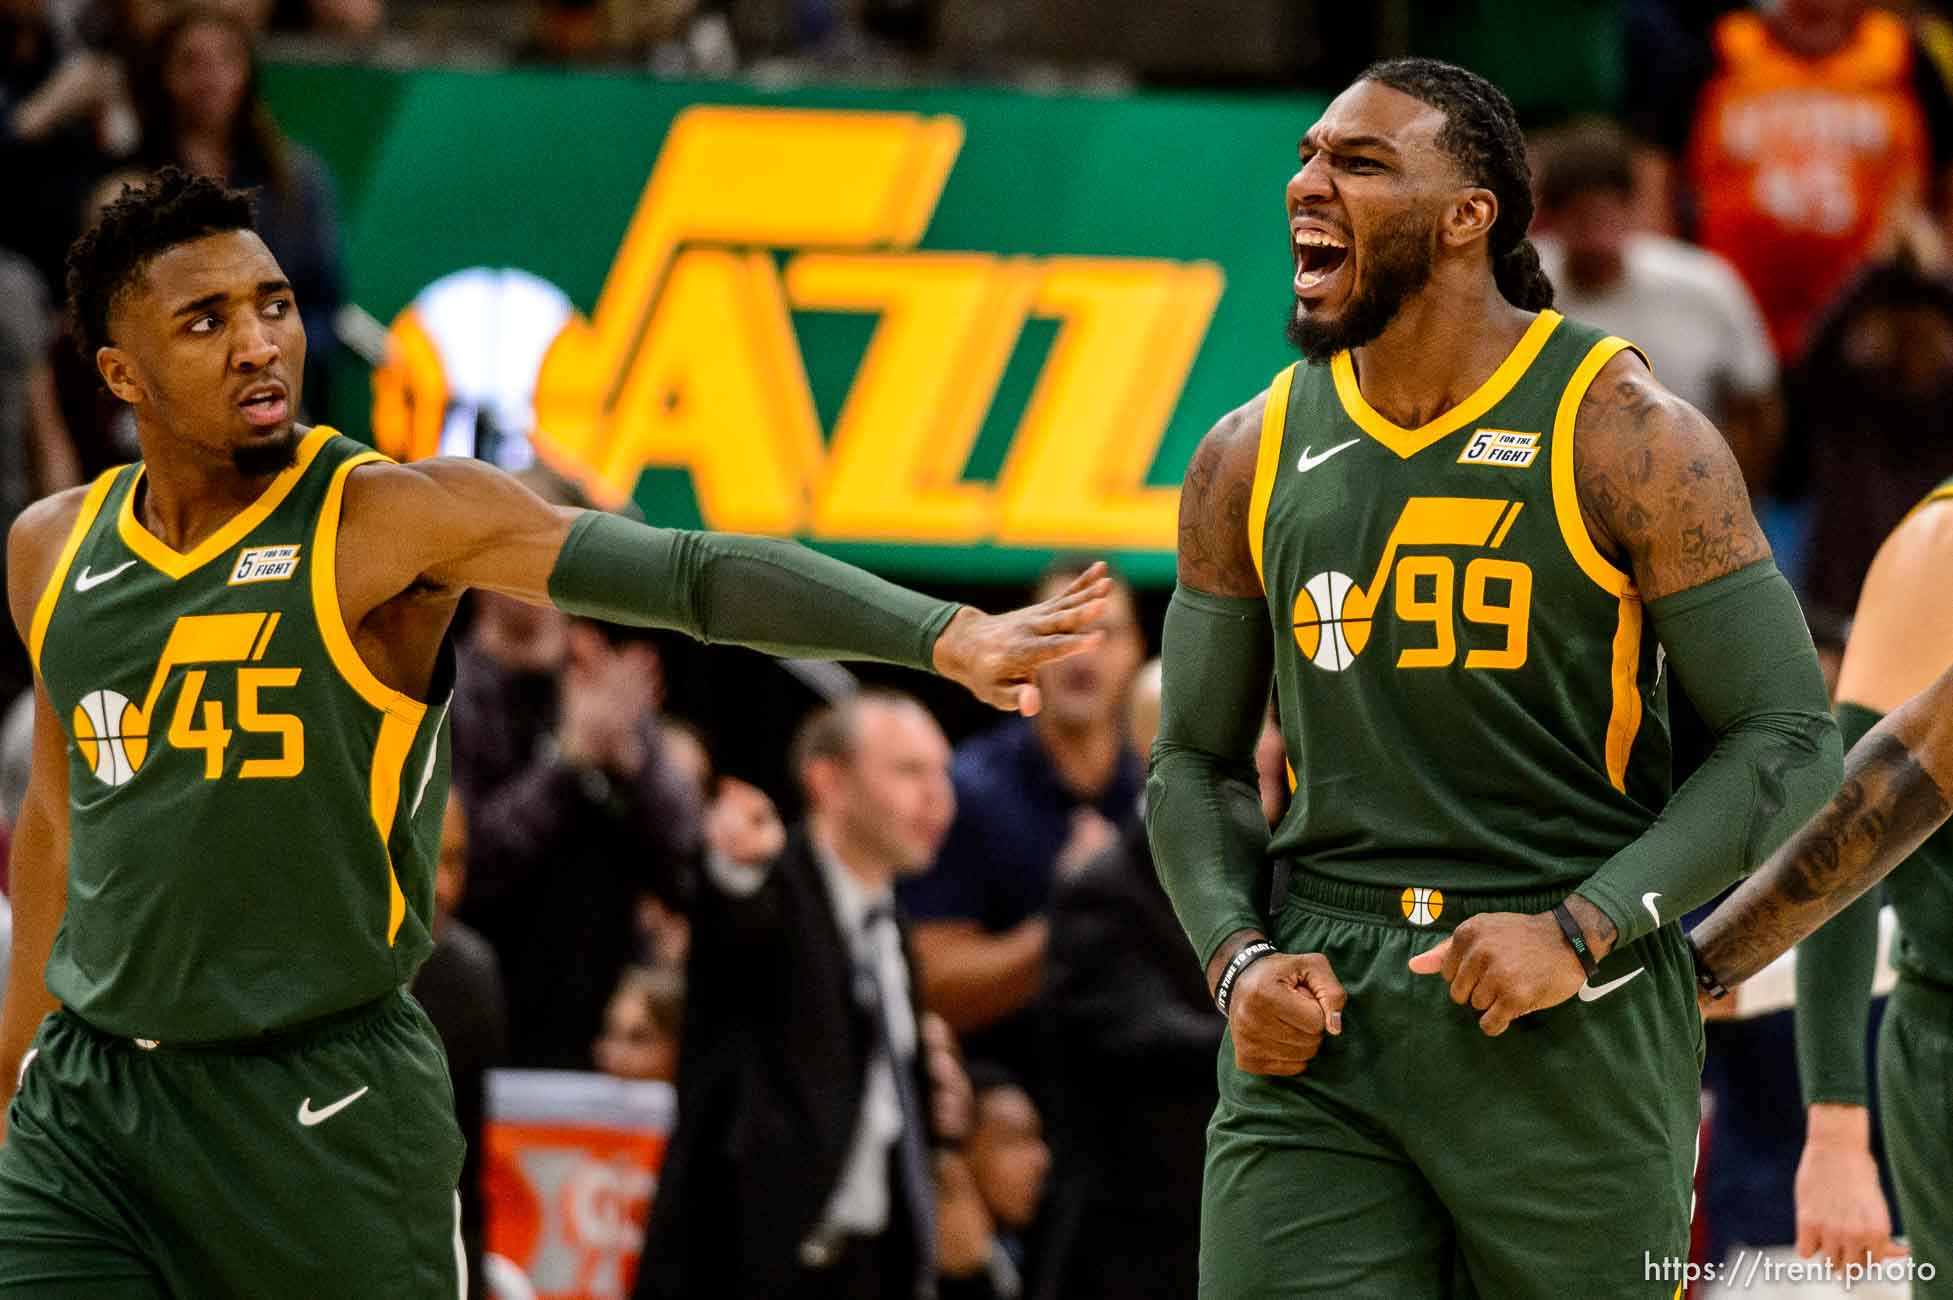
[272,1040]
[1412,906]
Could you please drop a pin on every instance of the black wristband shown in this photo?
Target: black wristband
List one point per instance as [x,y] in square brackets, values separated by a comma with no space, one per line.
[1705,979]
[1575,938]
[1250,954]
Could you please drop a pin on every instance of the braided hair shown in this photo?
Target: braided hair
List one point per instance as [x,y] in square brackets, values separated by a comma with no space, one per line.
[1481,134]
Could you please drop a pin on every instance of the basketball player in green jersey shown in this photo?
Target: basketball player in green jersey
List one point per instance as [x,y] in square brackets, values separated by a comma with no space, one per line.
[225,863]
[1467,539]
[1895,703]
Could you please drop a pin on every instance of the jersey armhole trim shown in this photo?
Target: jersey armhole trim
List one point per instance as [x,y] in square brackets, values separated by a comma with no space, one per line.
[91,507]
[325,604]
[1274,419]
[1606,575]
[1941,493]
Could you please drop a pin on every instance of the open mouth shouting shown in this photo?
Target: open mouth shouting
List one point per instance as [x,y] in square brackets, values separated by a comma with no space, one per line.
[1321,257]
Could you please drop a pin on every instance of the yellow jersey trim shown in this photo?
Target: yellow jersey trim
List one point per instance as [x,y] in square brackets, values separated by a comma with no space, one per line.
[325,605]
[389,758]
[1274,416]
[1941,493]
[177,565]
[1566,495]
[91,506]
[1408,442]
[1624,721]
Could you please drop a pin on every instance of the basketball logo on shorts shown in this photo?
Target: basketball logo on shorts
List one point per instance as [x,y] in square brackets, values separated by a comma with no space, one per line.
[1422,906]
[112,735]
[1332,621]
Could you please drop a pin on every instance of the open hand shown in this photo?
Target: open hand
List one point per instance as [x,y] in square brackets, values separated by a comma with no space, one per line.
[1505,964]
[1281,1007]
[994,655]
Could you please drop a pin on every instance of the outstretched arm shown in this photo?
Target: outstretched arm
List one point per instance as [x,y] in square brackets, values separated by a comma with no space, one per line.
[474,526]
[1667,511]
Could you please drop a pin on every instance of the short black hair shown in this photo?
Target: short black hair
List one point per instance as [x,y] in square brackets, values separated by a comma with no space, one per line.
[1584,158]
[1481,134]
[174,208]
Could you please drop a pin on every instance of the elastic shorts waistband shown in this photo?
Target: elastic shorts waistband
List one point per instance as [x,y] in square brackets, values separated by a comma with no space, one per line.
[271,1040]
[1414,907]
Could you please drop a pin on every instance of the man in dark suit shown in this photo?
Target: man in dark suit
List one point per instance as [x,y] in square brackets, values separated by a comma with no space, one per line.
[799,1169]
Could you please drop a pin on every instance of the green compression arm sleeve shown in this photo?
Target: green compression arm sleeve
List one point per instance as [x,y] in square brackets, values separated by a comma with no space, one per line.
[725,588]
[1739,647]
[1835,966]
[1203,802]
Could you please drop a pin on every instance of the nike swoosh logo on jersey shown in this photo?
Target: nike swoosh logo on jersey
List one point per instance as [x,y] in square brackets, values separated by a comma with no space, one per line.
[1309,462]
[85,581]
[309,1117]
[1588,993]
[1648,901]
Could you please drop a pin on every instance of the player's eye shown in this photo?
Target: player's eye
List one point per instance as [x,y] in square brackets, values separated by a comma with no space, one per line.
[205,324]
[278,308]
[1363,165]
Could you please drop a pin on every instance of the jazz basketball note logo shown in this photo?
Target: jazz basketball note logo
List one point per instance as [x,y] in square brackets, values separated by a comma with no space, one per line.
[112,735]
[1422,906]
[1431,598]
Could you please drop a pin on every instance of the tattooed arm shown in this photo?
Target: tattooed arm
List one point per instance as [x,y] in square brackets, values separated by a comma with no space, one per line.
[1665,502]
[1667,513]
[1897,781]
[1897,778]
[1203,802]
[1895,794]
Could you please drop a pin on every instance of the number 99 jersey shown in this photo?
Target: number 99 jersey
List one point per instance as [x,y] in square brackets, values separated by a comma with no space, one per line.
[1470,694]
[253,816]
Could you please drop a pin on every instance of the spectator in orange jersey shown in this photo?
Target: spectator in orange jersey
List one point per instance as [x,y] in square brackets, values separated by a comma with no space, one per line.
[1816,128]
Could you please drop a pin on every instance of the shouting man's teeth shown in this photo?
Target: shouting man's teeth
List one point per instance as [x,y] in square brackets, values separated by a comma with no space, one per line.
[1317,257]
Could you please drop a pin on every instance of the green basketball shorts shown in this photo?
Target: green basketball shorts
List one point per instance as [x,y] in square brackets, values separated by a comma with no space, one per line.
[321,1162]
[1417,1157]
[1915,1098]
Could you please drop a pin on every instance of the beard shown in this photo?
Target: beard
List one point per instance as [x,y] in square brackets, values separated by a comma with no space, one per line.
[266,455]
[1397,263]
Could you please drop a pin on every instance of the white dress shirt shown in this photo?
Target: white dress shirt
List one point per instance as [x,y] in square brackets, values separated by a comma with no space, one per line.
[861,1200]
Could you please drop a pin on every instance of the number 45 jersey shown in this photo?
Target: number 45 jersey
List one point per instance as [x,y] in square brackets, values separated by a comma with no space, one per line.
[1470,694]
[253,816]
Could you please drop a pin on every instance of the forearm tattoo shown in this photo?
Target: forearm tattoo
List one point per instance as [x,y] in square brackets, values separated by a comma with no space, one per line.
[1886,807]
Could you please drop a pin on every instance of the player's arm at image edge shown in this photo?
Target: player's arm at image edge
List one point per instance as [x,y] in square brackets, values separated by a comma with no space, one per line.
[1898,777]
[1660,488]
[1203,801]
[38,856]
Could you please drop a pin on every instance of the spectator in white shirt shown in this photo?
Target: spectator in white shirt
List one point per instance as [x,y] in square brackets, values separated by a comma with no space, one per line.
[1684,306]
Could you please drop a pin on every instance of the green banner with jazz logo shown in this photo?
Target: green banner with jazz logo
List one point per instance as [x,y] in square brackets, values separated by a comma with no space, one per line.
[943,333]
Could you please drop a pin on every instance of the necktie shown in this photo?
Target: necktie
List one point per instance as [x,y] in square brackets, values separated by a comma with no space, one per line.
[912,1150]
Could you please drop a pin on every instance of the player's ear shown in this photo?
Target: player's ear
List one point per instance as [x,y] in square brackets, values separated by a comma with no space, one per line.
[1470,217]
[118,371]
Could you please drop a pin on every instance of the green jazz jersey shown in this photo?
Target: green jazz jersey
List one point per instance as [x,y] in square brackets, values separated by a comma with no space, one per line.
[253,816]
[1469,692]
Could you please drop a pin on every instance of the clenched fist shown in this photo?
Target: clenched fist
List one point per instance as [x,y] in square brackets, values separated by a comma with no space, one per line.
[1279,1010]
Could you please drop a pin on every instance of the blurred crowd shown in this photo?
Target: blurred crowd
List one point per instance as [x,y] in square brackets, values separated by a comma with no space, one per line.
[885,960]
